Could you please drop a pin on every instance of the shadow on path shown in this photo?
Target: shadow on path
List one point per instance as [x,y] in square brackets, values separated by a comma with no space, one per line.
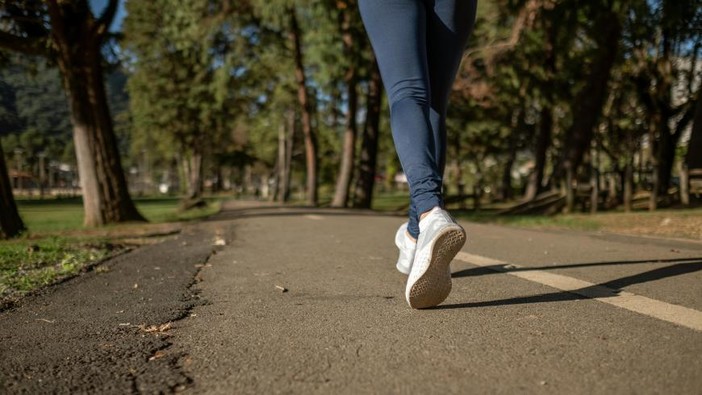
[603,290]
[506,268]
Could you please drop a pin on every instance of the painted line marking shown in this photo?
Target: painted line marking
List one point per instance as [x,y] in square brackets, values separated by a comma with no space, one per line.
[680,315]
[314,217]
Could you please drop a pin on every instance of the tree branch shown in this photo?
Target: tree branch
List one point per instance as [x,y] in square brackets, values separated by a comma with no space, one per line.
[29,46]
[686,118]
[524,19]
[105,20]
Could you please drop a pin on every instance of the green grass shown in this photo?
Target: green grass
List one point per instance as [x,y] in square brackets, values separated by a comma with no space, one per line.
[532,221]
[55,215]
[391,201]
[51,250]
[398,201]
[684,223]
[29,264]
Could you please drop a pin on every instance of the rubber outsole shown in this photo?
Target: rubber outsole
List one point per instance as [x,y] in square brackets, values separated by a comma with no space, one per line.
[434,285]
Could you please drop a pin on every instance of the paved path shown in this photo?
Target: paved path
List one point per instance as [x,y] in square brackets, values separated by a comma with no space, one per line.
[530,311]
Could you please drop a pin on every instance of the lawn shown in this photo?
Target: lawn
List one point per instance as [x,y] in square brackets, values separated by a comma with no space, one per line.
[672,223]
[56,215]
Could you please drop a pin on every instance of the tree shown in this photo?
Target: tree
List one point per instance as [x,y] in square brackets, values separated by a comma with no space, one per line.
[588,102]
[693,159]
[283,17]
[306,107]
[170,85]
[73,40]
[11,224]
[677,28]
[369,146]
[350,29]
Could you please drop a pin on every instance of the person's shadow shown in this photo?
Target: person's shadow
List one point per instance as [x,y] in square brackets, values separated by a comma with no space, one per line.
[603,290]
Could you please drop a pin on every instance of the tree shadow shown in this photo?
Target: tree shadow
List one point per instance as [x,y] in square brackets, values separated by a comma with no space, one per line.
[506,268]
[602,290]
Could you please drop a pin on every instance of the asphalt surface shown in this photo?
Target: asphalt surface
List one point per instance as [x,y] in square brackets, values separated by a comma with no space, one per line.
[94,333]
[309,301]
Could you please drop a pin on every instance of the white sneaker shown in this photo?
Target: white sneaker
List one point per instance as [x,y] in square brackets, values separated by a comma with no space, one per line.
[440,239]
[407,248]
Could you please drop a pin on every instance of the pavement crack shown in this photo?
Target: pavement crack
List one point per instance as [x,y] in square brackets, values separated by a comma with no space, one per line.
[177,361]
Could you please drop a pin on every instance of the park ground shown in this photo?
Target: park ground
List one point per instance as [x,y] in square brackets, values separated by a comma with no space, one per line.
[260,298]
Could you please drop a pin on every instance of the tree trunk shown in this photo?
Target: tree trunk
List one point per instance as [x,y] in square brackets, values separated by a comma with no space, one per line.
[218,185]
[543,141]
[104,187]
[343,184]
[458,169]
[664,147]
[663,113]
[306,109]
[193,173]
[11,224]
[569,191]
[506,191]
[684,184]
[665,154]
[279,162]
[594,189]
[628,184]
[369,148]
[285,139]
[588,103]
[693,158]
[284,190]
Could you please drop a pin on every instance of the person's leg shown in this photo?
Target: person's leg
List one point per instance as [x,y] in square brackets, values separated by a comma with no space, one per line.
[397,31]
[449,23]
[429,282]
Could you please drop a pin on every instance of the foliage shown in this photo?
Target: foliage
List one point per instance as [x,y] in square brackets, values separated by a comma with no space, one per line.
[218,79]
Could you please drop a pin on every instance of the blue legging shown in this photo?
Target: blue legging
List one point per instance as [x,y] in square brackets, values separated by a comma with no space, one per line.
[419,44]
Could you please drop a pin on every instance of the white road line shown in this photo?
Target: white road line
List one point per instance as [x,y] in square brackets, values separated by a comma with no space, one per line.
[314,216]
[676,314]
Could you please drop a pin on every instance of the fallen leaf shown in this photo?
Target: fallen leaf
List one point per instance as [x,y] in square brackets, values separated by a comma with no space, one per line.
[158,354]
[156,328]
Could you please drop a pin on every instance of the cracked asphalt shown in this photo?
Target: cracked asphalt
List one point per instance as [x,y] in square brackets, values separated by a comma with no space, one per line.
[93,333]
[309,301]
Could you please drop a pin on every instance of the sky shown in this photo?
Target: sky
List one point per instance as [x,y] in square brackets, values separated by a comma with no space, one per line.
[98,6]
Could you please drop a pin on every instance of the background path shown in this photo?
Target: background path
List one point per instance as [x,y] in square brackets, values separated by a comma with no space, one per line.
[531,311]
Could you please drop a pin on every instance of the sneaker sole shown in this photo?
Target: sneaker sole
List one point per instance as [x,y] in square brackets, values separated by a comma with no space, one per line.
[434,286]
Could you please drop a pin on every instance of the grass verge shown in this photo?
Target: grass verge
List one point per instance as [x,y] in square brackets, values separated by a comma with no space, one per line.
[678,223]
[670,223]
[26,265]
[57,247]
